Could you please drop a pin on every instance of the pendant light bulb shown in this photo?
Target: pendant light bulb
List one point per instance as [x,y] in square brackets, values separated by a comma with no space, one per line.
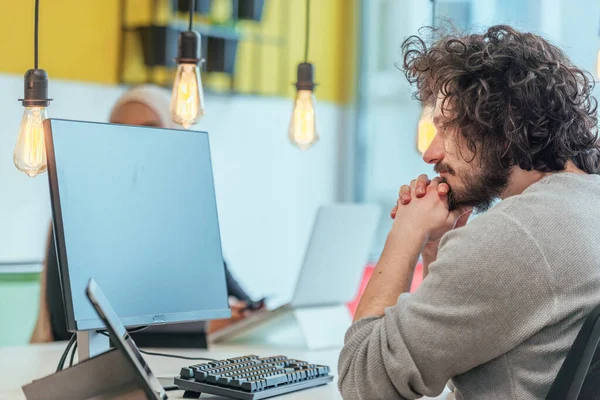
[426,130]
[303,125]
[30,151]
[187,100]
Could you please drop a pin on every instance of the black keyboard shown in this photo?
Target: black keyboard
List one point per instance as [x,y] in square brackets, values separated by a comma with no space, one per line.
[251,377]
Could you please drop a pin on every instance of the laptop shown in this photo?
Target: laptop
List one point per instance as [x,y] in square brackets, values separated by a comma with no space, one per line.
[333,265]
[119,336]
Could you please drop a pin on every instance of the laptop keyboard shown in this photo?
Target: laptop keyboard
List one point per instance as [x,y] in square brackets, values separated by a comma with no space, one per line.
[251,377]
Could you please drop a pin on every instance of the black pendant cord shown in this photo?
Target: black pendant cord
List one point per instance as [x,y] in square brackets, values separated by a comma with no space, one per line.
[433,16]
[307,31]
[192,10]
[35,35]
[36,80]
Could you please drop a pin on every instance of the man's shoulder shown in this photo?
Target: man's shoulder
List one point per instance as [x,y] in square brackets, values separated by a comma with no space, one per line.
[515,210]
[550,203]
[496,240]
[497,227]
[502,214]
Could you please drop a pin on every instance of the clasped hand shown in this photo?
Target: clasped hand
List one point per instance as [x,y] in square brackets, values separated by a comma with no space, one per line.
[422,208]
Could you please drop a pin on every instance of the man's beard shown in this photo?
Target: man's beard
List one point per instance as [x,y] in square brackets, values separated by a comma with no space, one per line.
[479,188]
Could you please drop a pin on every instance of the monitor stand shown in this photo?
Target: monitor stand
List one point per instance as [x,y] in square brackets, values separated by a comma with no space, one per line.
[91,344]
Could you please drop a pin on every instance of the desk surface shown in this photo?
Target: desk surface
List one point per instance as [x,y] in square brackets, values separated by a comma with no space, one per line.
[20,365]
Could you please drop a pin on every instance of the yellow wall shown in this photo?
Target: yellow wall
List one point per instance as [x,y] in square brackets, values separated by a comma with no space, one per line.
[77,38]
[79,41]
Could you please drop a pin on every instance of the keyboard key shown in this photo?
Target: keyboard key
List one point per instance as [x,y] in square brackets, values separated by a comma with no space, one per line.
[276,380]
[224,381]
[254,386]
[323,370]
[237,383]
[248,386]
[213,379]
[200,376]
[186,373]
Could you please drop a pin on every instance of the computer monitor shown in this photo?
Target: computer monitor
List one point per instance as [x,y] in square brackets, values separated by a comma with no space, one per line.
[134,208]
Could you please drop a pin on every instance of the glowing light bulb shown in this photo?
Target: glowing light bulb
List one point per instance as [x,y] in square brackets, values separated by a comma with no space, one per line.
[303,126]
[30,150]
[426,130]
[187,100]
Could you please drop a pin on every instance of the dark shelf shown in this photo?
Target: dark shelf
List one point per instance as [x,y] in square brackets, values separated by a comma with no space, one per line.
[220,54]
[201,7]
[159,45]
[250,9]
[219,46]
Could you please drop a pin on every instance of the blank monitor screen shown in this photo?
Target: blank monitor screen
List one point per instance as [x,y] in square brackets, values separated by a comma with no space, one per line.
[134,208]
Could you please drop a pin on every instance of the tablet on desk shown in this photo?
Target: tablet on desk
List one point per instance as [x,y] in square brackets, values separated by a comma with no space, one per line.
[120,337]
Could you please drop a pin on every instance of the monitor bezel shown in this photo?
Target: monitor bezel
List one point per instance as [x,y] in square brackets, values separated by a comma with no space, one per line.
[74,325]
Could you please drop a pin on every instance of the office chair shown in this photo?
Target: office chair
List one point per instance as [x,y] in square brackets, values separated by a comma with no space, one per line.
[579,375]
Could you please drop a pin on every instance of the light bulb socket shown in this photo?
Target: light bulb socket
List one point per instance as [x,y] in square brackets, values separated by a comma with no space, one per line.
[36,89]
[188,51]
[305,80]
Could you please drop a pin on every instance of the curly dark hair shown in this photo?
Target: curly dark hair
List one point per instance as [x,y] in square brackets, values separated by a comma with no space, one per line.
[514,97]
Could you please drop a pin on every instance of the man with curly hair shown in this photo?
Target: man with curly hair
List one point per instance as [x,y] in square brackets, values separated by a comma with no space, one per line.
[503,297]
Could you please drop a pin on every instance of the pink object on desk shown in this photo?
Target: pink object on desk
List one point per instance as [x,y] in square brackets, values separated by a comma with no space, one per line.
[417,278]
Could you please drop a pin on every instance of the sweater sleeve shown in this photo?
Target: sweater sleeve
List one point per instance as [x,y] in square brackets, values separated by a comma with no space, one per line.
[489,290]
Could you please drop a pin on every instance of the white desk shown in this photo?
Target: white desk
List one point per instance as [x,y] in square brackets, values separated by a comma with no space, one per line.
[20,365]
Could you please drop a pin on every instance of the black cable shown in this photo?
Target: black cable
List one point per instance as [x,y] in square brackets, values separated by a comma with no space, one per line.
[175,356]
[73,354]
[307,33]
[192,10]
[165,354]
[433,10]
[63,358]
[136,330]
[140,329]
[35,35]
